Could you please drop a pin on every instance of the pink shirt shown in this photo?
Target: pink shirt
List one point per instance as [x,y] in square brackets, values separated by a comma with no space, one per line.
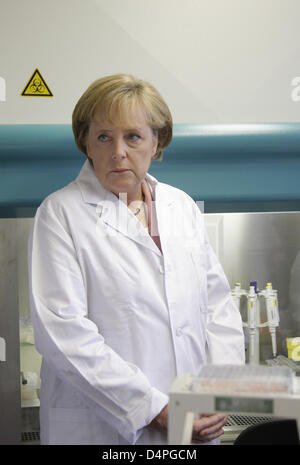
[151,214]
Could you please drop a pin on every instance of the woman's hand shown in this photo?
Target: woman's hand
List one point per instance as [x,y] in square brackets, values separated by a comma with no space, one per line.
[205,428]
[208,427]
[160,422]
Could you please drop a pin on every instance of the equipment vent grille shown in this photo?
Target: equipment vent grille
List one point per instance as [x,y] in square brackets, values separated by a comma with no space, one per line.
[29,436]
[245,420]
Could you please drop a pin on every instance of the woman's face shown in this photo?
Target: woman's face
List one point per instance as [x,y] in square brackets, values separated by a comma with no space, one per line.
[122,155]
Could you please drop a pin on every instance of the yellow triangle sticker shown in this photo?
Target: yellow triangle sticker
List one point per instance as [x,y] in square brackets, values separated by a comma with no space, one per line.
[36,86]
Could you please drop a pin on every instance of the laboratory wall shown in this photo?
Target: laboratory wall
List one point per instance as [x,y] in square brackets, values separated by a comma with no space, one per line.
[214,61]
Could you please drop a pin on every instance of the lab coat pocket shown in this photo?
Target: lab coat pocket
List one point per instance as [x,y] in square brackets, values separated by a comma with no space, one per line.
[198,259]
[77,426]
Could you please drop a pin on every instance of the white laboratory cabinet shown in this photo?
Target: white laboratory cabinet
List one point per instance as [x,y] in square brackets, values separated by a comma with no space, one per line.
[10,401]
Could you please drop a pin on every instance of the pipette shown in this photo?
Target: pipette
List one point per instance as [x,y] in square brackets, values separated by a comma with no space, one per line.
[252,321]
[272,314]
[237,293]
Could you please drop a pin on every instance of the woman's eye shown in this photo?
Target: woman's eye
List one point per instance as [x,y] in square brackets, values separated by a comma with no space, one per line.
[103,138]
[134,137]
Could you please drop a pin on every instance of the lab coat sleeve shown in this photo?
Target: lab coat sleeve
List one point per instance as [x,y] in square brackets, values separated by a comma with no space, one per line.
[224,333]
[116,390]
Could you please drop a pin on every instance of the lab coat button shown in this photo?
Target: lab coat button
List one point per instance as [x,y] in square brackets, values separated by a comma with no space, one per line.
[178,332]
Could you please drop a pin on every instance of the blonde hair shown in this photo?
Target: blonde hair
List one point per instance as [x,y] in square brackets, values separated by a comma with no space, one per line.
[114,96]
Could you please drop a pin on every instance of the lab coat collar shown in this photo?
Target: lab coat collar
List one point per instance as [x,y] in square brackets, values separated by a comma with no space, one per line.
[91,190]
[113,211]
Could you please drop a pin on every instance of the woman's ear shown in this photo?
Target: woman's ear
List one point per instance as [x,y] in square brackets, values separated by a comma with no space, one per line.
[87,142]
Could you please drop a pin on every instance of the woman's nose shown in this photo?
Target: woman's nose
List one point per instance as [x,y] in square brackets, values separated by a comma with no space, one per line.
[119,149]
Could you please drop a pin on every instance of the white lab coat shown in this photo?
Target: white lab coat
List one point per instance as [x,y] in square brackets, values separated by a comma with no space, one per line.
[114,318]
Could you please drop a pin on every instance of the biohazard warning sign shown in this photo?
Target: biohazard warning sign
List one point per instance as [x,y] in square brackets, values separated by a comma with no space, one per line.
[36,86]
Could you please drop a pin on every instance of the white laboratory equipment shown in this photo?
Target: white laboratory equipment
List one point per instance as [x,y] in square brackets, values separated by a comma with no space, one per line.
[249,390]
[253,323]
[30,385]
[272,314]
[2,350]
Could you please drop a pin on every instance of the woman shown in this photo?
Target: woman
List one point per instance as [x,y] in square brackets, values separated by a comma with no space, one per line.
[125,290]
